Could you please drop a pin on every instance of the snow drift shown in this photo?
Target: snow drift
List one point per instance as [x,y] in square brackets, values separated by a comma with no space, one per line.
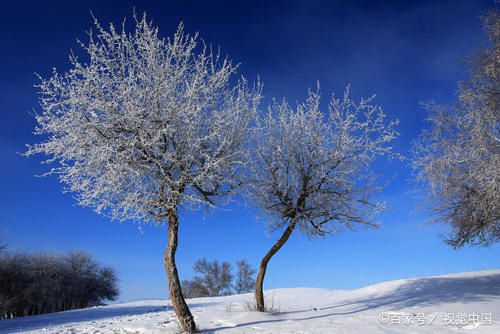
[463,303]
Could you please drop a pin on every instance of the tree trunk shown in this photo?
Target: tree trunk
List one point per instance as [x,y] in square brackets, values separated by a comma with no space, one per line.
[176,297]
[259,294]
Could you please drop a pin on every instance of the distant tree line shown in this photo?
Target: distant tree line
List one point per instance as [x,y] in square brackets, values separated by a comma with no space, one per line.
[3,246]
[32,284]
[216,279]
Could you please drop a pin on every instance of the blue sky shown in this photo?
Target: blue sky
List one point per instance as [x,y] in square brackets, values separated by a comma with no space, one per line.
[405,52]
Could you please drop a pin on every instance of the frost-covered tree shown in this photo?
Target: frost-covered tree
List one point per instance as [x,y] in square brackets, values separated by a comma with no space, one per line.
[215,278]
[244,277]
[145,127]
[457,160]
[311,173]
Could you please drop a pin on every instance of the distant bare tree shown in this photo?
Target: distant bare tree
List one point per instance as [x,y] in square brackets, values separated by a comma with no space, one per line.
[244,280]
[194,288]
[312,174]
[89,283]
[145,127]
[216,278]
[105,287]
[457,160]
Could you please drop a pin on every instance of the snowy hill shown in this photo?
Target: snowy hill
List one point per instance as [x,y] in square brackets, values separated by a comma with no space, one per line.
[458,303]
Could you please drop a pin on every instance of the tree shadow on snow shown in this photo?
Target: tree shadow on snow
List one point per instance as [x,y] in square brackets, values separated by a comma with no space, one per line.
[49,320]
[421,292]
[430,291]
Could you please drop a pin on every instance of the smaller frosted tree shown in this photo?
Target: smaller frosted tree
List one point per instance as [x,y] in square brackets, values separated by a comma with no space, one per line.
[311,173]
[457,159]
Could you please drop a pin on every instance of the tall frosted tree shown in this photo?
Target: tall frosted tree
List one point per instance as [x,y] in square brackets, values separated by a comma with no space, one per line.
[312,173]
[457,159]
[146,127]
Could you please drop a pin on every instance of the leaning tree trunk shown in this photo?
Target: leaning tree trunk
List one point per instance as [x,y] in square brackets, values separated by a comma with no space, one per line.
[174,284]
[259,295]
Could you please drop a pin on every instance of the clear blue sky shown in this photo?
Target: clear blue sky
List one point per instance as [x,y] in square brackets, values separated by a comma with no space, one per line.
[405,52]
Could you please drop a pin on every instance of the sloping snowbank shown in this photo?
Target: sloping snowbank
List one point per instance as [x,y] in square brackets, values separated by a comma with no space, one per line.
[458,303]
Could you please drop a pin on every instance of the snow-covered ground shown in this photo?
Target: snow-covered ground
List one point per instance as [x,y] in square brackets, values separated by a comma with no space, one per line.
[458,303]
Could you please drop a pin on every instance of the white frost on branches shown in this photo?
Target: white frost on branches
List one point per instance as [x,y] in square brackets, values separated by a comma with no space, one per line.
[311,171]
[457,160]
[147,125]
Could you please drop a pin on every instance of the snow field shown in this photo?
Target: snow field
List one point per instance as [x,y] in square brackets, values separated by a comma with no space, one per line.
[457,303]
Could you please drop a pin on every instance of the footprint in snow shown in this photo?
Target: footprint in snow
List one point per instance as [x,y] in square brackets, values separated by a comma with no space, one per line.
[219,323]
[257,328]
[163,324]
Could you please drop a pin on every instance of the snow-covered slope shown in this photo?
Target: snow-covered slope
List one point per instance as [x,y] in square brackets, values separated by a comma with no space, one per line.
[458,303]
